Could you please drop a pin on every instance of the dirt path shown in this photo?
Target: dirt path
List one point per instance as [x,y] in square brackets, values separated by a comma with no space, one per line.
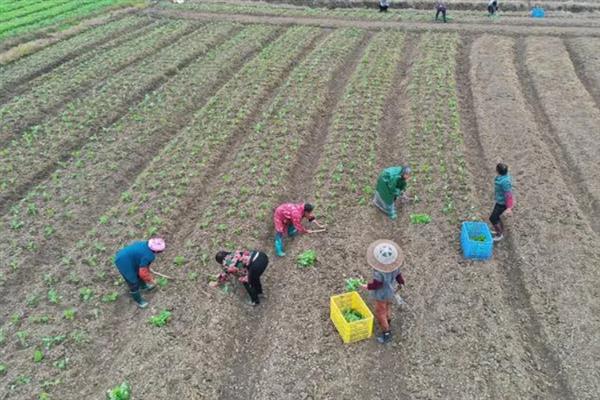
[541,282]
[379,25]
[585,57]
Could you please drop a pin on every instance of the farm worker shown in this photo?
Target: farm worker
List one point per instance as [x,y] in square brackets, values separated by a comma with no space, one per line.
[384,5]
[247,266]
[288,218]
[440,8]
[492,7]
[133,262]
[391,184]
[504,200]
[385,257]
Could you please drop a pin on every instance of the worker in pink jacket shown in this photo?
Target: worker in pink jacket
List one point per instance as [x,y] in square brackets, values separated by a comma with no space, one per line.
[288,218]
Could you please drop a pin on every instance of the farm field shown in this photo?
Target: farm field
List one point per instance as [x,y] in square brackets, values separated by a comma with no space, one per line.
[193,121]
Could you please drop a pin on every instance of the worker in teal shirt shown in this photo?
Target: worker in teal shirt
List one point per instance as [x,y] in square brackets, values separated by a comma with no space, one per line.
[133,262]
[503,194]
[391,184]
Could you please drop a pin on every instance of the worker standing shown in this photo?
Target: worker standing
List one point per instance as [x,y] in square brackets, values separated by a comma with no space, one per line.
[133,262]
[391,184]
[385,257]
[384,5]
[247,267]
[288,219]
[440,8]
[492,7]
[504,200]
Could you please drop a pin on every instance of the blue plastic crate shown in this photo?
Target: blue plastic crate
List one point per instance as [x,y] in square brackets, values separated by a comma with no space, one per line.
[473,249]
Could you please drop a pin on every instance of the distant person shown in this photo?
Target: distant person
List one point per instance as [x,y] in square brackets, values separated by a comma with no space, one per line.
[133,262]
[247,267]
[504,200]
[391,184]
[384,5]
[385,257]
[440,8]
[492,7]
[288,219]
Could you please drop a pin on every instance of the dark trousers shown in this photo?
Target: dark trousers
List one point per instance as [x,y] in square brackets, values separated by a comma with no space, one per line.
[255,270]
[133,287]
[383,8]
[496,213]
[443,12]
[492,8]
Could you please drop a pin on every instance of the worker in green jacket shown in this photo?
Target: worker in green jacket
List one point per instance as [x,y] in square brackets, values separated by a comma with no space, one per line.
[391,184]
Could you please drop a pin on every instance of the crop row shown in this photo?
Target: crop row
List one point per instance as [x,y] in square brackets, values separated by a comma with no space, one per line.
[30,9]
[72,199]
[160,190]
[10,6]
[65,50]
[38,151]
[55,15]
[435,145]
[50,90]
[346,175]
[242,206]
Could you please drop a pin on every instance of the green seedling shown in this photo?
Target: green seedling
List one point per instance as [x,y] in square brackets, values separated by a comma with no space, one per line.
[53,296]
[161,319]
[2,337]
[161,281]
[3,369]
[79,336]
[307,259]
[44,396]
[86,294]
[179,261]
[62,363]
[22,337]
[121,392]
[352,284]
[110,297]
[351,315]
[38,356]
[51,341]
[420,219]
[478,238]
[70,314]
[39,319]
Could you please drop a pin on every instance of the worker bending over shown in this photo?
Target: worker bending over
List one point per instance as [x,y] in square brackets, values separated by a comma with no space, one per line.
[288,219]
[391,184]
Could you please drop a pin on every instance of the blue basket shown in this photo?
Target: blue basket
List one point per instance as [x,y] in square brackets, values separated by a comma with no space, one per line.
[537,12]
[473,249]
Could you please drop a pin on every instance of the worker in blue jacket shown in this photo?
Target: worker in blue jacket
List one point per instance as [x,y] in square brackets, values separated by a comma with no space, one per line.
[133,262]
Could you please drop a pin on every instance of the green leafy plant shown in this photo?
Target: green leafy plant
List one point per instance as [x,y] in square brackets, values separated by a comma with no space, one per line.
[121,392]
[162,281]
[86,294]
[3,369]
[110,297]
[44,396]
[352,284]
[61,363]
[478,238]
[420,219]
[38,356]
[351,315]
[307,259]
[69,314]
[51,341]
[22,337]
[53,296]
[161,319]
[179,261]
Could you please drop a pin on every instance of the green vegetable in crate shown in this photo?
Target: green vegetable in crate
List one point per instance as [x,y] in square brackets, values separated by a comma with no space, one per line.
[352,284]
[307,259]
[478,238]
[420,219]
[351,315]
[121,392]
[160,319]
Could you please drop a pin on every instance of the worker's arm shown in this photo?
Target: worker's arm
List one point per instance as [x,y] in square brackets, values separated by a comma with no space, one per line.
[400,279]
[145,274]
[297,221]
[373,285]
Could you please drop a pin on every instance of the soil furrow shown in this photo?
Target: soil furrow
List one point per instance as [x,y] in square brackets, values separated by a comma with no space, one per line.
[14,87]
[590,83]
[243,382]
[568,167]
[20,190]
[332,23]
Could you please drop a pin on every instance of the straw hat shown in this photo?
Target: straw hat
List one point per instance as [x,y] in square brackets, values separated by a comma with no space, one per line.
[385,255]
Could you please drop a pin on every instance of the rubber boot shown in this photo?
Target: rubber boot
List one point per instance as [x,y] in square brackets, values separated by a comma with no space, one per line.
[146,287]
[385,337]
[137,297]
[279,245]
[498,230]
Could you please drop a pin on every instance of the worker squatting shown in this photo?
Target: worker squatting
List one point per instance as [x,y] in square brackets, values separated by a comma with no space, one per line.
[247,266]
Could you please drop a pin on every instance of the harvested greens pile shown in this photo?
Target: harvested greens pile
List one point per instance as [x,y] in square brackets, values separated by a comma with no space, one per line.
[478,238]
[121,392]
[419,219]
[351,315]
[352,284]
[160,319]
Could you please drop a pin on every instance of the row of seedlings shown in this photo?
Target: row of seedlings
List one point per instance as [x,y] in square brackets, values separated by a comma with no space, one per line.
[158,197]
[38,151]
[72,79]
[71,199]
[77,46]
[30,9]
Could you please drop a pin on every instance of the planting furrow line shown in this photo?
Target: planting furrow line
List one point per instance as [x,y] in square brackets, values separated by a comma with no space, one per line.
[9,7]
[73,193]
[303,133]
[157,201]
[584,55]
[542,282]
[567,114]
[53,143]
[33,8]
[13,76]
[48,94]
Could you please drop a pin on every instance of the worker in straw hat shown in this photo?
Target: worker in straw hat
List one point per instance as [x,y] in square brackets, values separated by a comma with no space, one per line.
[391,184]
[385,257]
[133,262]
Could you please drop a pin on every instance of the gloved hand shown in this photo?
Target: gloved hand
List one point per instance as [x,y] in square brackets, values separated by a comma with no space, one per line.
[145,275]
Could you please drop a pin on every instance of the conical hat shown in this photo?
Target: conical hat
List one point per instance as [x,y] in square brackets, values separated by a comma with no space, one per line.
[385,255]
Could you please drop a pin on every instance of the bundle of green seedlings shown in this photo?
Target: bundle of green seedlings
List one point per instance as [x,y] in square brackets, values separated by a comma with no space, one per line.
[121,392]
[351,315]
[478,238]
[160,319]
[307,259]
[420,219]
[352,284]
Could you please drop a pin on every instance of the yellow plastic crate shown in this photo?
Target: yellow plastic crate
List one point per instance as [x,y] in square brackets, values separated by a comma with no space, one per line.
[351,331]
